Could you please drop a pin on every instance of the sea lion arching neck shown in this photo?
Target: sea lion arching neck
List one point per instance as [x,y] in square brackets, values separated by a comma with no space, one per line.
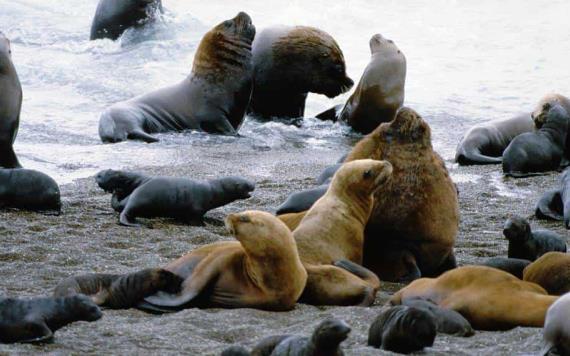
[361,201]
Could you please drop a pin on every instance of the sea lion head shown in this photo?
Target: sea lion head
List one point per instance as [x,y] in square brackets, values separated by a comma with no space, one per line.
[5,45]
[330,333]
[362,175]
[517,229]
[379,43]
[83,308]
[237,187]
[111,180]
[540,113]
[407,127]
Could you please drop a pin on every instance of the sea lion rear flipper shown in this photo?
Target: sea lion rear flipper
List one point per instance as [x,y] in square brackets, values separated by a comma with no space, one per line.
[143,136]
[119,205]
[221,127]
[330,114]
[550,206]
[38,332]
[127,220]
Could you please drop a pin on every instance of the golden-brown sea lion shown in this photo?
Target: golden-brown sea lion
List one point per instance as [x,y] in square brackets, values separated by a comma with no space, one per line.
[551,272]
[330,237]
[262,270]
[292,220]
[415,218]
[490,299]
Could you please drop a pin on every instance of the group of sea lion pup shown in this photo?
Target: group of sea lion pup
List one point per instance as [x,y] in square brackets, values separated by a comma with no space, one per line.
[388,211]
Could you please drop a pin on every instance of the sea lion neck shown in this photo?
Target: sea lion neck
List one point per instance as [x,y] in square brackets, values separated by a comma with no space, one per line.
[219,53]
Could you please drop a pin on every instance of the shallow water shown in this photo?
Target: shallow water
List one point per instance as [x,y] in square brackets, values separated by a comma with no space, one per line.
[467,62]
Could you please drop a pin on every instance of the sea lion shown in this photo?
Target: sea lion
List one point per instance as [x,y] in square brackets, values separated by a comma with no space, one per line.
[380,92]
[292,220]
[330,237]
[527,244]
[541,151]
[289,62]
[540,112]
[447,321]
[301,201]
[327,174]
[415,219]
[490,299]
[551,271]
[121,184]
[37,319]
[556,331]
[555,204]
[10,105]
[113,17]
[213,98]
[514,266]
[325,340]
[485,143]
[120,291]
[261,270]
[28,189]
[403,329]
[235,350]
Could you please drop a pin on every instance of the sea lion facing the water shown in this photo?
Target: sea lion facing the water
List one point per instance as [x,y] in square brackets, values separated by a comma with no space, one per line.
[113,17]
[10,105]
[213,98]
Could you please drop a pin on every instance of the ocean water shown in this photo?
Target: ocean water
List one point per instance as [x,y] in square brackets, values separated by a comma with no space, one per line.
[468,62]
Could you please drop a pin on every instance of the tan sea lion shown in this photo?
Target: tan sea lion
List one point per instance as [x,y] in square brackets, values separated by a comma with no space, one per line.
[330,237]
[551,272]
[415,219]
[261,270]
[490,299]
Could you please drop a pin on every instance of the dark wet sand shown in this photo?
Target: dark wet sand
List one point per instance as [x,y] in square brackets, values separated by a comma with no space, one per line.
[38,251]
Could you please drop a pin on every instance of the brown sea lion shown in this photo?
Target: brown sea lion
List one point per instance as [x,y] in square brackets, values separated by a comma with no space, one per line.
[551,272]
[10,105]
[330,237]
[289,62]
[380,92]
[213,98]
[490,299]
[292,220]
[261,270]
[415,219]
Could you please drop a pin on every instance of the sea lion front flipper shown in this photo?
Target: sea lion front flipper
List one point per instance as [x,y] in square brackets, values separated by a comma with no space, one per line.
[117,204]
[127,220]
[142,136]
[9,158]
[330,114]
[221,127]
[38,332]
[550,206]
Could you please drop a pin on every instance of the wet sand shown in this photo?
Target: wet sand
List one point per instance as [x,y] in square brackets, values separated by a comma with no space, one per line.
[38,251]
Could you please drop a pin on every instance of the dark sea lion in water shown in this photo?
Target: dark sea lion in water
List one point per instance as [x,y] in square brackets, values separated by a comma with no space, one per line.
[514,266]
[556,332]
[541,151]
[527,244]
[120,291]
[325,340]
[289,62]
[37,319]
[213,98]
[403,329]
[29,190]
[485,143]
[10,105]
[113,17]
[551,271]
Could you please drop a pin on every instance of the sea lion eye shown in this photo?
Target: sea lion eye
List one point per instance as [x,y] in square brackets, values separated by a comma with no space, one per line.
[367,174]
[244,219]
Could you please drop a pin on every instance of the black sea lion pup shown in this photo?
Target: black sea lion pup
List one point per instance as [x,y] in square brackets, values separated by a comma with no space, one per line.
[556,332]
[28,189]
[121,184]
[514,266]
[113,17]
[290,62]
[117,291]
[527,244]
[37,319]
[213,98]
[301,201]
[485,143]
[541,151]
[447,321]
[10,105]
[403,329]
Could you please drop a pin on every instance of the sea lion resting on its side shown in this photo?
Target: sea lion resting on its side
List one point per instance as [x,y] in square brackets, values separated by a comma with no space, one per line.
[28,189]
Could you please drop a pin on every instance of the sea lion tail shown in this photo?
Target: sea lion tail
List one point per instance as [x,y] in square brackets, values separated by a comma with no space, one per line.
[550,206]
[465,158]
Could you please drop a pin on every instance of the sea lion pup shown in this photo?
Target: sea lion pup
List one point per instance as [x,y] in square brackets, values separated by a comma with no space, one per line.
[113,17]
[541,151]
[325,340]
[415,219]
[490,299]
[447,321]
[29,190]
[485,143]
[120,183]
[330,237]
[551,271]
[289,62]
[380,92]
[301,201]
[10,105]
[261,270]
[514,266]
[213,98]
[116,291]
[403,329]
[37,319]
[556,331]
[527,244]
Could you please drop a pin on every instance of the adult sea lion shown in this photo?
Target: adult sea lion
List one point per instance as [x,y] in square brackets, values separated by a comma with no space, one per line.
[113,17]
[261,270]
[213,98]
[10,105]
[490,299]
[289,62]
[28,189]
[514,266]
[37,319]
[551,272]
[380,92]
[541,151]
[540,112]
[527,244]
[485,143]
[556,331]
